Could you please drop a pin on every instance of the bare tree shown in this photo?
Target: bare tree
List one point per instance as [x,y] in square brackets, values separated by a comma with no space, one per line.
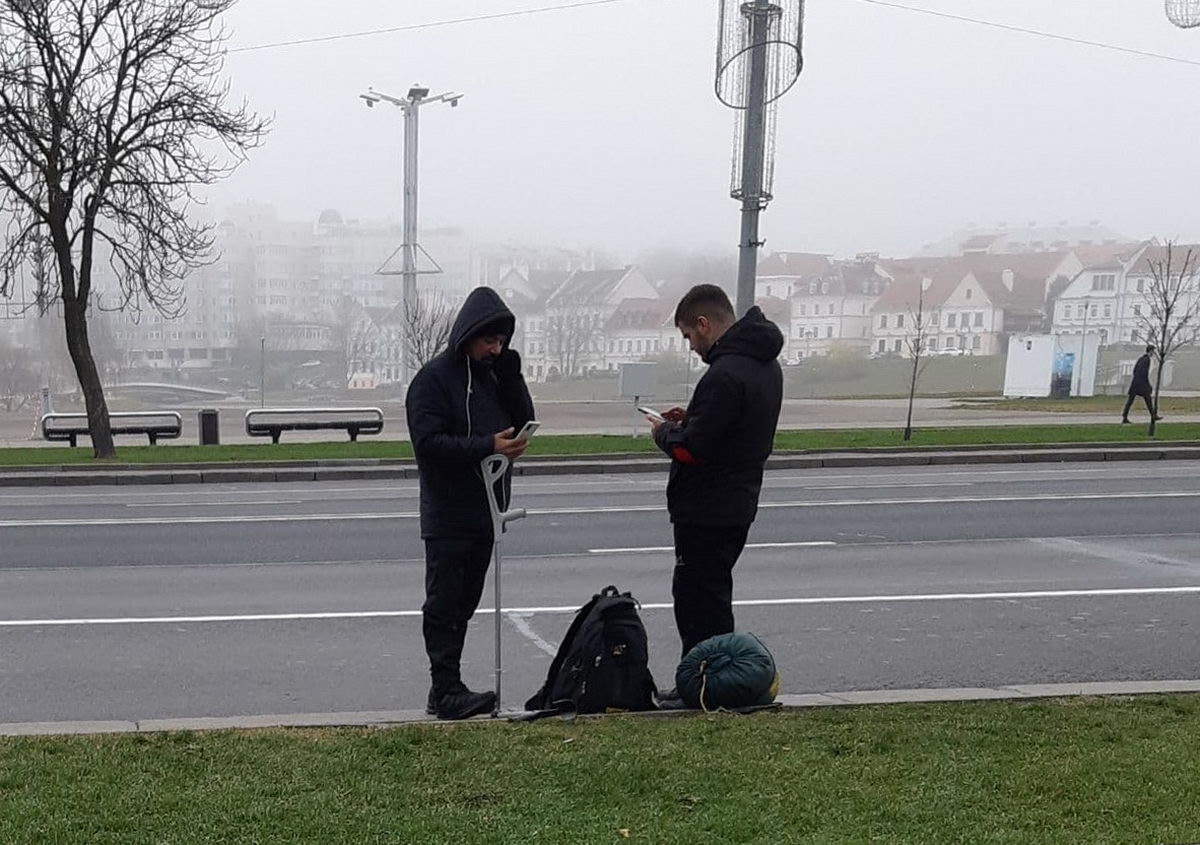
[571,333]
[112,114]
[427,327]
[1174,306]
[916,341]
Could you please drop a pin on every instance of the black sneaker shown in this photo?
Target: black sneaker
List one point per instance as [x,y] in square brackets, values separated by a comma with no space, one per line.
[1126,422]
[464,705]
[431,703]
[669,700]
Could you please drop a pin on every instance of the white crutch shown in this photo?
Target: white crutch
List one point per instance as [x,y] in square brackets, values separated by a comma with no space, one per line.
[494,467]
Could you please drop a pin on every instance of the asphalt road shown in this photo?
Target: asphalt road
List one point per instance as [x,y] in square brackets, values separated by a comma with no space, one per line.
[220,600]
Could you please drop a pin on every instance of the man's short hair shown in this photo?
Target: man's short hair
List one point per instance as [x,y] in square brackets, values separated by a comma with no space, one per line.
[703,301]
[1149,348]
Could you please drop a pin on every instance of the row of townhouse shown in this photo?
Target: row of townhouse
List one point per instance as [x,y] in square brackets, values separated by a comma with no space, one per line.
[968,303]
[1114,296]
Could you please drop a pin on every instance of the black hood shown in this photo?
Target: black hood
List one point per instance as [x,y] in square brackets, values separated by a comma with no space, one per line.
[482,308]
[753,336]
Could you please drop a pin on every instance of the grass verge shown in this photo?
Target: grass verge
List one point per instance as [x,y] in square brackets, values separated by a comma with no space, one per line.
[586,444]
[1066,771]
[1082,405]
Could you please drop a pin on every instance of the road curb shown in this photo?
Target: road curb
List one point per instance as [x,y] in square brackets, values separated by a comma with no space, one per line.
[375,470]
[804,701]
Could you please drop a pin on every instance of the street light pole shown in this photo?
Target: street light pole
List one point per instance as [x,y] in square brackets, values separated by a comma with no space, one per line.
[410,107]
[753,151]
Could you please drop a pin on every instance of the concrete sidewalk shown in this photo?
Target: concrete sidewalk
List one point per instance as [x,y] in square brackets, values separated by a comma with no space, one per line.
[399,469]
[384,718]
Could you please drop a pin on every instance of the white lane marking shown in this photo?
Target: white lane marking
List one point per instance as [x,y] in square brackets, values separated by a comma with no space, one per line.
[359,517]
[790,545]
[805,600]
[904,484]
[225,504]
[520,621]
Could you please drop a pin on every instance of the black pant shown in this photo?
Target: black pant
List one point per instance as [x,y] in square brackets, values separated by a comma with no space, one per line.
[703,582]
[455,571]
[1146,397]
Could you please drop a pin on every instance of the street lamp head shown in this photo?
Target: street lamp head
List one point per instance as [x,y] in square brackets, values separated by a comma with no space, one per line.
[370,98]
[417,92]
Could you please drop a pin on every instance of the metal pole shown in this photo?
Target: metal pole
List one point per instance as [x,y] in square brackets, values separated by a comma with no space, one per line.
[496,579]
[262,375]
[409,277]
[753,152]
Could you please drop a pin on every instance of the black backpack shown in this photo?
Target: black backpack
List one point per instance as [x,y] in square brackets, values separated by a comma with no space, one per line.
[602,664]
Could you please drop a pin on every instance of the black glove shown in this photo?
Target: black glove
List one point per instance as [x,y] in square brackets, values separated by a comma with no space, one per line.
[508,365]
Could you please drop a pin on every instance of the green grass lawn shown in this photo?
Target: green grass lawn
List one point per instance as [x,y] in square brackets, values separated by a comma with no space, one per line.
[584,445]
[1070,771]
[1083,405]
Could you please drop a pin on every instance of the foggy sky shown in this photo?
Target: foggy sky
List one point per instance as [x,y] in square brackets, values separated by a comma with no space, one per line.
[599,126]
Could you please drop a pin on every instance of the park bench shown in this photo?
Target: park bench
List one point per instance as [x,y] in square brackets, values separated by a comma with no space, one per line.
[263,422]
[157,425]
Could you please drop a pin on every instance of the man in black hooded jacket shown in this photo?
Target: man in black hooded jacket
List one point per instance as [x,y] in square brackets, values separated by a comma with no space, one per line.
[718,448]
[463,406]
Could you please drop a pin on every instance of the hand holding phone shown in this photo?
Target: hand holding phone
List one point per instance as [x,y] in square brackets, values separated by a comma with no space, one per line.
[527,430]
[651,413]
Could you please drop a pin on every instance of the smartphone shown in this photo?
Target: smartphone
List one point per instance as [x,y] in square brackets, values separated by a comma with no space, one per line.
[527,430]
[650,412]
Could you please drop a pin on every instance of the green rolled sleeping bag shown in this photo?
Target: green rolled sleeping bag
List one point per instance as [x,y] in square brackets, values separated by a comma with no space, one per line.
[728,670]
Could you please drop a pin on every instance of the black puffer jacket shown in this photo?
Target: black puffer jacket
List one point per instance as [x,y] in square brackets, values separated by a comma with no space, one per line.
[718,454]
[454,407]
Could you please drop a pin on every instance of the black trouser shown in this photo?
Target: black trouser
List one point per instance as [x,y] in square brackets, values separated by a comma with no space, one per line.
[1146,397]
[455,571]
[703,582]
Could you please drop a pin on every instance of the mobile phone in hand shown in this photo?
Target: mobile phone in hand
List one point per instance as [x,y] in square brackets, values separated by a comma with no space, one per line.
[650,412]
[527,430]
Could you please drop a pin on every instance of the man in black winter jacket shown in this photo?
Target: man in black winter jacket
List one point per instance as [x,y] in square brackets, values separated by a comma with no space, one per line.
[718,448]
[1139,385]
[463,406]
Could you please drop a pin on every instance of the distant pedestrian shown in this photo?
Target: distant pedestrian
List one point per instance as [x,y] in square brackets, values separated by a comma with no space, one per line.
[1139,385]
[718,448]
[463,406]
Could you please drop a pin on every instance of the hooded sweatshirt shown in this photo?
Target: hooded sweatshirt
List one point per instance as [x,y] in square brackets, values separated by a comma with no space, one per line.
[718,453]
[454,407]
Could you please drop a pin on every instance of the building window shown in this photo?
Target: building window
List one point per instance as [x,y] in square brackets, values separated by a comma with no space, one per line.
[829,331]
[968,293]
[950,320]
[1095,310]
[979,318]
[882,323]
[899,321]
[883,346]
[803,309]
[1141,286]
[1137,311]
[1108,309]
[897,345]
[975,342]
[933,344]
[1104,281]
[951,342]
[1066,312]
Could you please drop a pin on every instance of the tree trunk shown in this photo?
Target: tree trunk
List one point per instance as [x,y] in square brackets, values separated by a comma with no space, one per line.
[912,390]
[89,380]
